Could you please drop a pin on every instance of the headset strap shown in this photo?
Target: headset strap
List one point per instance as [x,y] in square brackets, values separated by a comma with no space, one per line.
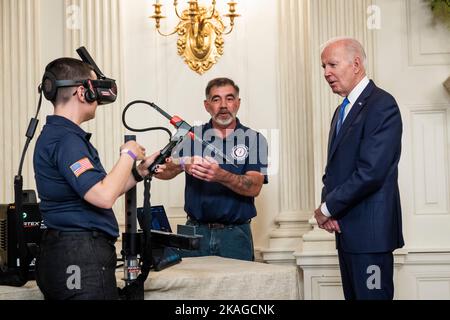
[67,83]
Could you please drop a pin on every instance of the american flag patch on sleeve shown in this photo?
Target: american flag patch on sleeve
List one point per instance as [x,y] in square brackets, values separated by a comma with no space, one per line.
[81,166]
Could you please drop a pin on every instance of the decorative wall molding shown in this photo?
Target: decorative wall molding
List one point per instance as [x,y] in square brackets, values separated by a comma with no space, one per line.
[430,160]
[322,279]
[427,42]
[424,175]
[433,287]
[424,276]
[19,79]
[326,288]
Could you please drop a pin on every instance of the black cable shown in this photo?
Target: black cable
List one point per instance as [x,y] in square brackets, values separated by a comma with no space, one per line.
[30,133]
[154,106]
[165,114]
[22,159]
[40,100]
[20,277]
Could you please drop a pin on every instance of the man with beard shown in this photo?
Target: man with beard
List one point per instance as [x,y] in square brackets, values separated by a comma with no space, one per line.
[220,193]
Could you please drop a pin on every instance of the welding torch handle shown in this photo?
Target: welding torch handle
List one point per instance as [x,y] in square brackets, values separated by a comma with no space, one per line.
[164,154]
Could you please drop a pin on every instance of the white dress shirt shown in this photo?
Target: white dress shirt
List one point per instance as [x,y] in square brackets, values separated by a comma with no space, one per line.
[352,97]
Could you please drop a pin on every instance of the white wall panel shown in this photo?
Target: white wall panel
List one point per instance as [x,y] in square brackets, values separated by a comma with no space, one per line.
[428,41]
[433,287]
[430,161]
[424,103]
[327,288]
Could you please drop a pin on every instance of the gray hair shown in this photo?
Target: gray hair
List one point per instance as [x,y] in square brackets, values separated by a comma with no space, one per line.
[220,82]
[353,46]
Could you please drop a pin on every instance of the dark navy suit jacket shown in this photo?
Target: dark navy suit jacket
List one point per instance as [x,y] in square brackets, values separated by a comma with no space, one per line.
[360,180]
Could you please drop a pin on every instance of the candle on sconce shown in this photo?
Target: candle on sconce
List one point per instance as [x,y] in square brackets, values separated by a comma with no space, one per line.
[200,31]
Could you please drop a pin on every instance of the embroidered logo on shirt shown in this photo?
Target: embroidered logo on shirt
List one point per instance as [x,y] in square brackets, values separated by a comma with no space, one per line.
[81,166]
[239,152]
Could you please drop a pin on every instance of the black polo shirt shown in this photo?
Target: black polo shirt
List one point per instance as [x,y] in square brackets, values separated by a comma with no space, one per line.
[212,201]
[66,166]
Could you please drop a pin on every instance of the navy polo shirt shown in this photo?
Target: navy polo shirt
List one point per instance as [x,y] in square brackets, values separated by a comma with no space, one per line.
[212,201]
[66,166]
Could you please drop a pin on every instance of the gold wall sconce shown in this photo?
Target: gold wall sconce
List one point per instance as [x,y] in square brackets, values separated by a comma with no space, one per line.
[200,32]
[447,84]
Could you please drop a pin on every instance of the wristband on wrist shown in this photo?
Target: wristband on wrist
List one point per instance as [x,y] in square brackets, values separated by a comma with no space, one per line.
[136,174]
[182,164]
[129,152]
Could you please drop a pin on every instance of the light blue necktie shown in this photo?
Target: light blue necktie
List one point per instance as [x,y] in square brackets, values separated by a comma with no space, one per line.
[341,115]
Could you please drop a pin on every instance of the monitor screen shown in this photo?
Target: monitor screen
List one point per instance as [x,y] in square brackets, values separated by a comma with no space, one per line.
[159,218]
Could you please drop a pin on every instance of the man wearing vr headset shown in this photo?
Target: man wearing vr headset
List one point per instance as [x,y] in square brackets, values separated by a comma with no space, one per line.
[77,258]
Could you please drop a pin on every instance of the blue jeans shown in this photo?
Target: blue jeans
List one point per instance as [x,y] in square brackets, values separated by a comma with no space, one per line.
[230,241]
[77,266]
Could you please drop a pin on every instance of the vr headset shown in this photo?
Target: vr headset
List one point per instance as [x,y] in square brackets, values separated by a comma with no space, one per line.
[103,90]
